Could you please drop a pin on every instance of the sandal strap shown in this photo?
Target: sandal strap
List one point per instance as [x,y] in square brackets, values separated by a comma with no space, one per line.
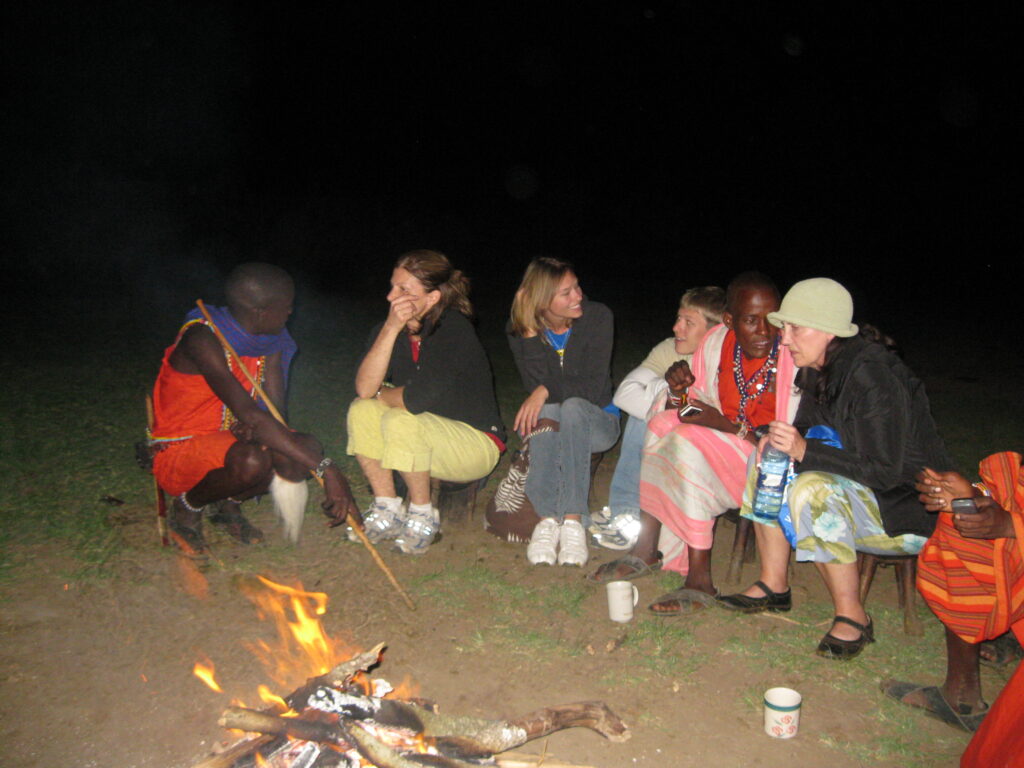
[765,588]
[866,631]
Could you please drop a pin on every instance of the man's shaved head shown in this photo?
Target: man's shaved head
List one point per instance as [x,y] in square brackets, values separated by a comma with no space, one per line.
[257,285]
[746,281]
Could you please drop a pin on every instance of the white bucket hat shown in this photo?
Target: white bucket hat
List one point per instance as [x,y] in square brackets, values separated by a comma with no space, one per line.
[819,303]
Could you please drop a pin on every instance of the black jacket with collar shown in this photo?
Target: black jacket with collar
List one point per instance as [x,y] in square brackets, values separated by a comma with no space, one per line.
[586,369]
[881,412]
[453,376]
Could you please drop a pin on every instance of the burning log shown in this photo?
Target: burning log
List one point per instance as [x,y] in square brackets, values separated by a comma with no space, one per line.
[470,737]
[242,719]
[237,752]
[337,712]
[454,739]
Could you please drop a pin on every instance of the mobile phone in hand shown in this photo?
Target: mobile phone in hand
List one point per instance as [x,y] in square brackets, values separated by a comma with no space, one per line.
[689,410]
[964,507]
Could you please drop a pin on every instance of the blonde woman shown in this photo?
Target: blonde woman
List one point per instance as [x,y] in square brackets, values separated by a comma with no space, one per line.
[562,345]
[426,406]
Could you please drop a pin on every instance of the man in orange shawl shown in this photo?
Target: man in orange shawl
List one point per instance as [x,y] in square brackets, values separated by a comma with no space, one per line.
[213,441]
[971,573]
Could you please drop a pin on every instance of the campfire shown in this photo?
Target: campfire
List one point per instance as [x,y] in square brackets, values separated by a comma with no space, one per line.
[341,716]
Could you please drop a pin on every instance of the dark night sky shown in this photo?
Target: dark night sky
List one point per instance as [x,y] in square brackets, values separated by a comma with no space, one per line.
[152,145]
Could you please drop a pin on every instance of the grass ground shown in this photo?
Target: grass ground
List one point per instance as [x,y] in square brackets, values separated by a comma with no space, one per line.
[73,411]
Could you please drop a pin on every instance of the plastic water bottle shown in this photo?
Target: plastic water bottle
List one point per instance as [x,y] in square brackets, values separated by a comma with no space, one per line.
[771,483]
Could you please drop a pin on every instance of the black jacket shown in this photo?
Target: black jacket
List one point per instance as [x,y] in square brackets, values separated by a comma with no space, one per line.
[586,371]
[453,377]
[880,410]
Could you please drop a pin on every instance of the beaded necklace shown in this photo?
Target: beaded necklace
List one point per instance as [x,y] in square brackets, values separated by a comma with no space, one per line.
[758,383]
[558,342]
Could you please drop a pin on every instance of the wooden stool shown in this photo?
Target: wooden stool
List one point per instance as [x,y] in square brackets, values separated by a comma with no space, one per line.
[906,578]
[455,501]
[742,544]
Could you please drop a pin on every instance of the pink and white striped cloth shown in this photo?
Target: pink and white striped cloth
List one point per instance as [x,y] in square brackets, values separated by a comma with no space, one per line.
[690,474]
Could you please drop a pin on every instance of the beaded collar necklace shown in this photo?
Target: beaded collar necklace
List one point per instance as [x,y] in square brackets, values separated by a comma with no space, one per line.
[758,383]
[558,342]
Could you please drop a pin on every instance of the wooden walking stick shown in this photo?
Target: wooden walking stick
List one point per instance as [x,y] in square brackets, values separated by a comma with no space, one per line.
[277,415]
[161,501]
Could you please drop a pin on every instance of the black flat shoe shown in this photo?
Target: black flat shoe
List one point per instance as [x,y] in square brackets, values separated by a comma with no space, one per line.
[832,647]
[775,602]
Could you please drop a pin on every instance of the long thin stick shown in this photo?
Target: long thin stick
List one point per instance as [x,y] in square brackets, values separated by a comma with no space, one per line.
[161,502]
[277,415]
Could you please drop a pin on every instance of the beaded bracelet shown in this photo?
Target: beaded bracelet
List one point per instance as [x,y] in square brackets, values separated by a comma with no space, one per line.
[184,502]
[322,467]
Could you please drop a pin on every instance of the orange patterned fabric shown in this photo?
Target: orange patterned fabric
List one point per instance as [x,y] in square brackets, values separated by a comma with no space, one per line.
[976,586]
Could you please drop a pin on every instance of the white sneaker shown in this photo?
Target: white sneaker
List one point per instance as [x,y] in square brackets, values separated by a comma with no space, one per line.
[419,531]
[619,532]
[381,522]
[544,542]
[572,544]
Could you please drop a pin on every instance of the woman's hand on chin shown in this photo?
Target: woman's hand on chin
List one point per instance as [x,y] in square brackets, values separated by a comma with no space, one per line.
[401,312]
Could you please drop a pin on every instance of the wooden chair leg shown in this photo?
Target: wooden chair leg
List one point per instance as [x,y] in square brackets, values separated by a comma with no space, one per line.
[742,550]
[907,580]
[868,566]
[745,530]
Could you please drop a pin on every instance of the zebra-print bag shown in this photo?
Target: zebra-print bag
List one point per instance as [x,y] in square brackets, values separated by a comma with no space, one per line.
[510,515]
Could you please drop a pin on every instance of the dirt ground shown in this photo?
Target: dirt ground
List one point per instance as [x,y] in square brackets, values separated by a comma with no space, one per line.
[98,671]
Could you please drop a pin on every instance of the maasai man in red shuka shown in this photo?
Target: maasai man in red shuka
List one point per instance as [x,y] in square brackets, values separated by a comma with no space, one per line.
[971,573]
[213,442]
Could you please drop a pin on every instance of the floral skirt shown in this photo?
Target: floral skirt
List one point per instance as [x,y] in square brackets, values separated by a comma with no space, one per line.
[835,518]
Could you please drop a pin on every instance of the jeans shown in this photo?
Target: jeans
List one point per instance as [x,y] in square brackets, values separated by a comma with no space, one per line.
[624,493]
[559,480]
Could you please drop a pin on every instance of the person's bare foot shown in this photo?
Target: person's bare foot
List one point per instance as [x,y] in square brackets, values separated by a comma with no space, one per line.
[937,703]
[1001,651]
[683,601]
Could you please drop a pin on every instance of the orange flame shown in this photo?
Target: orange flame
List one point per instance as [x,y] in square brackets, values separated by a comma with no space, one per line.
[303,648]
[269,697]
[204,671]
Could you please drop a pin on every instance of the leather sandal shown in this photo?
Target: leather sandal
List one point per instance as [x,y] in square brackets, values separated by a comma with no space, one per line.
[229,517]
[636,566]
[186,528]
[775,602]
[690,601]
[832,647]
[931,701]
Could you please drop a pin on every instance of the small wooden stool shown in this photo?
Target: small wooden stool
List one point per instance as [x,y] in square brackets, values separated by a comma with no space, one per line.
[906,578]
[742,544]
[455,501]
